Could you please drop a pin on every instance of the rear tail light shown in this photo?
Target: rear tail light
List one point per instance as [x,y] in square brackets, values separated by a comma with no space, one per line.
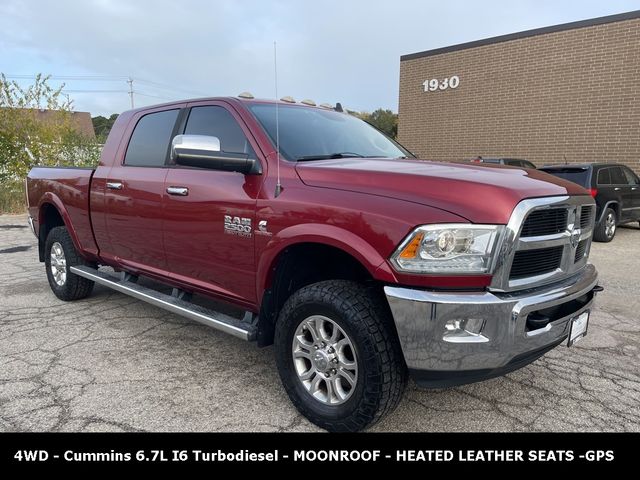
[593,192]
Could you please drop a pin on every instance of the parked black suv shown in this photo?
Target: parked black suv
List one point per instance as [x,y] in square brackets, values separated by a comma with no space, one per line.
[616,189]
[512,162]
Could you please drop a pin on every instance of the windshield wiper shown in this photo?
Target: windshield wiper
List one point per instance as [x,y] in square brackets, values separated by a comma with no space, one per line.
[329,156]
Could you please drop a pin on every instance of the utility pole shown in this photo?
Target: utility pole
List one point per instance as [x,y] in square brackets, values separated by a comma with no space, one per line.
[130,82]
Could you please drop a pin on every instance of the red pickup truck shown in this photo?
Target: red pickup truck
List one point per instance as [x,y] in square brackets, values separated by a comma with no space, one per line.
[313,231]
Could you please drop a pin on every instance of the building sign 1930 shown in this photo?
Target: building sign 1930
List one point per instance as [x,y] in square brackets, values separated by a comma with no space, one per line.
[435,84]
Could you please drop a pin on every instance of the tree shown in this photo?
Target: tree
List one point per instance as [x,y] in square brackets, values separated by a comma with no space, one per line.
[102,126]
[27,140]
[384,120]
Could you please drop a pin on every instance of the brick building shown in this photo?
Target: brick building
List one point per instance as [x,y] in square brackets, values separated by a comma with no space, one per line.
[80,121]
[569,90]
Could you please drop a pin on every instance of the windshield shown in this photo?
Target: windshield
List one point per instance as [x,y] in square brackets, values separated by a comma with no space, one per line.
[314,134]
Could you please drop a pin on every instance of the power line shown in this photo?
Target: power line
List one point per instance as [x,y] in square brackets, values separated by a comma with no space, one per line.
[135,92]
[93,91]
[111,78]
[70,77]
[152,96]
[162,86]
[115,78]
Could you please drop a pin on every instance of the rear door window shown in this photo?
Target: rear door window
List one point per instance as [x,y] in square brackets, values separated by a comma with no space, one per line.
[617,176]
[604,176]
[149,144]
[632,178]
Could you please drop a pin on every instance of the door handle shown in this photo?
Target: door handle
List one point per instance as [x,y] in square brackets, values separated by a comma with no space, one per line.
[114,185]
[634,188]
[181,191]
[617,188]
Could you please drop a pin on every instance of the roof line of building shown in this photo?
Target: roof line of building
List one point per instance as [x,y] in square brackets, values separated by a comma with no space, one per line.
[527,33]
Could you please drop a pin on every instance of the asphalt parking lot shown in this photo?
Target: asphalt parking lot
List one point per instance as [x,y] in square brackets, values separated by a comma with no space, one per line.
[112,363]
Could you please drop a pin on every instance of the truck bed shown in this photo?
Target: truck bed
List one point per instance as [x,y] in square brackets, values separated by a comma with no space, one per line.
[66,188]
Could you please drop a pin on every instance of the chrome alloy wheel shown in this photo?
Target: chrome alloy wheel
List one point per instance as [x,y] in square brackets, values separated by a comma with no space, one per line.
[58,264]
[325,360]
[610,225]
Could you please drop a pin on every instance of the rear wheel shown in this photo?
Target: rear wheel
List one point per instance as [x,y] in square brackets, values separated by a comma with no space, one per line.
[60,255]
[606,228]
[338,355]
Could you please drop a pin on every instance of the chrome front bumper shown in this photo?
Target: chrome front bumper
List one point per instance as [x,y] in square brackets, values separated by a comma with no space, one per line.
[450,338]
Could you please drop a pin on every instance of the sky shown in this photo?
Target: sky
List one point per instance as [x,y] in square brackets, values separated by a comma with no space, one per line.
[344,51]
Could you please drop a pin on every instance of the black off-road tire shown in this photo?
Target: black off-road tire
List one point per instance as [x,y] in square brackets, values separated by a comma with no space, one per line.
[75,287]
[600,231]
[366,319]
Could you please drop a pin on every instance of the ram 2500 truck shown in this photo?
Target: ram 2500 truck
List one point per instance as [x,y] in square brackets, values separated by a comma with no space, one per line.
[361,264]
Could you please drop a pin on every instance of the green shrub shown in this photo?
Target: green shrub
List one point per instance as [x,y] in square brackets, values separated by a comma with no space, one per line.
[12,198]
[27,140]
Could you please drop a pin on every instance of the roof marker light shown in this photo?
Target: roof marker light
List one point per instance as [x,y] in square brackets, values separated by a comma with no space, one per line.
[246,95]
[288,99]
[309,102]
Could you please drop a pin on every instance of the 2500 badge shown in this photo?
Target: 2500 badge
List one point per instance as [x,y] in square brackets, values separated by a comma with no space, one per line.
[237,226]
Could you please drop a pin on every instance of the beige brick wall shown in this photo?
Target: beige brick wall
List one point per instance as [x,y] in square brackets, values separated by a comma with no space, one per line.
[574,93]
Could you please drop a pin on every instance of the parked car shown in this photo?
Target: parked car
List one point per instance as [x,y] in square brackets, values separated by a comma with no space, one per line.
[361,265]
[616,189]
[511,162]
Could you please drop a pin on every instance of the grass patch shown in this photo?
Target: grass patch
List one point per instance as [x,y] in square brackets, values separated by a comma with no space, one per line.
[12,198]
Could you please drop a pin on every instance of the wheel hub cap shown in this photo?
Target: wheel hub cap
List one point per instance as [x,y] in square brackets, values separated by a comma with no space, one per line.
[58,264]
[324,360]
[321,361]
[610,225]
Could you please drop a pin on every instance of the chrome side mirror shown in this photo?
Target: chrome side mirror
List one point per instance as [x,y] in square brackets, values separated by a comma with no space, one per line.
[204,151]
[185,144]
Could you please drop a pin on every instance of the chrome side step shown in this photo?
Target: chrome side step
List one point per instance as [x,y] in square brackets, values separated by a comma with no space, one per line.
[238,328]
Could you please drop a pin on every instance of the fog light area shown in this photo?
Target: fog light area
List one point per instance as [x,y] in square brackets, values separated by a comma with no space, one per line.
[464,330]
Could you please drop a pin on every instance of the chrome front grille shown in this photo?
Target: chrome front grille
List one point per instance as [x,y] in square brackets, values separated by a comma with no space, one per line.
[587,215]
[527,263]
[546,240]
[545,222]
[580,251]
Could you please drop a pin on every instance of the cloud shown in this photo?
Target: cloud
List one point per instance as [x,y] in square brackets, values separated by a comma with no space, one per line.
[346,51]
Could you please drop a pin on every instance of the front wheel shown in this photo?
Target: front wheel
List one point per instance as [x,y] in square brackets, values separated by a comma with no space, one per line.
[606,228]
[338,355]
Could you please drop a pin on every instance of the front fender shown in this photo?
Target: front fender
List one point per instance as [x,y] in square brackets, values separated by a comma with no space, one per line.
[329,235]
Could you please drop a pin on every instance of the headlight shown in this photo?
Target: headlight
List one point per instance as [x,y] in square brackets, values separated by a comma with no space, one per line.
[448,248]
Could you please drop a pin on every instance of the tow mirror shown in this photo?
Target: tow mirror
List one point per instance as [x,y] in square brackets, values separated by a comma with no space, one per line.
[203,151]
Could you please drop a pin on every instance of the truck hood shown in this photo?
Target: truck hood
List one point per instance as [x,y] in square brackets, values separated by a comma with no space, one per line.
[481,194]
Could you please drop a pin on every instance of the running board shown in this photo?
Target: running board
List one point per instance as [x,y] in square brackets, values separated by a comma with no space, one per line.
[217,320]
